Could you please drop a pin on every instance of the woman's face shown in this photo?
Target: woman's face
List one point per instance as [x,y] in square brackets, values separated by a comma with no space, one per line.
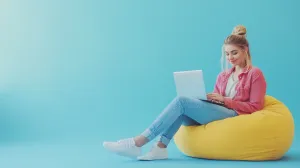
[235,55]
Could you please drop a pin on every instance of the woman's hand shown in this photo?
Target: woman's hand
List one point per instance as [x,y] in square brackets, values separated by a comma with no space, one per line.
[215,97]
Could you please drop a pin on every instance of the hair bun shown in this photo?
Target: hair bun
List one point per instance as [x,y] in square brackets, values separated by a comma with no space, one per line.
[239,30]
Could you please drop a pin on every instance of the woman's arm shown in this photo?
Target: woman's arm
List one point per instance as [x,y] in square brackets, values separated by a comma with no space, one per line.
[257,96]
[217,88]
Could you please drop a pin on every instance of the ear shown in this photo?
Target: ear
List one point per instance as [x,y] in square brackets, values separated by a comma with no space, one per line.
[246,49]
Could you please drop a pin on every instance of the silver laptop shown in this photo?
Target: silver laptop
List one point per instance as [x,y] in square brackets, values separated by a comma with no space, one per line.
[191,84]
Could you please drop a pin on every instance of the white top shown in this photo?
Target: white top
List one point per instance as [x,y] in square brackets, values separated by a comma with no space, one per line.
[230,88]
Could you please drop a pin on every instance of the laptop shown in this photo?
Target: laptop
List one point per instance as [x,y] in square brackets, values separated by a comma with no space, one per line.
[191,84]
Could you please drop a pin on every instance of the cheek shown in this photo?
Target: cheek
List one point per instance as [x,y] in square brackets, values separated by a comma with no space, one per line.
[238,57]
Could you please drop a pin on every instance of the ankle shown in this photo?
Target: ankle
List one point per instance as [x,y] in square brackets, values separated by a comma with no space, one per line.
[161,145]
[140,141]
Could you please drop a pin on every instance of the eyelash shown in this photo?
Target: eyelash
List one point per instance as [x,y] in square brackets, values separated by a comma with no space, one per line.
[232,54]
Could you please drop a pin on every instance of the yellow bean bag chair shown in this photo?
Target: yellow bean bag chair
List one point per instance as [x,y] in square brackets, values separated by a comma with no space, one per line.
[264,135]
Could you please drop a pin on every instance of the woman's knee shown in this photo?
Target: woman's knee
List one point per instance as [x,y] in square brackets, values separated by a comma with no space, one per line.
[186,101]
[182,99]
[183,102]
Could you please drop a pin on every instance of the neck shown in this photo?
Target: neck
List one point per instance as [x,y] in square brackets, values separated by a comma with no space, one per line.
[239,68]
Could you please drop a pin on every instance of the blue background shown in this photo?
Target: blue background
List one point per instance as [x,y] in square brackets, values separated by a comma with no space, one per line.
[75,73]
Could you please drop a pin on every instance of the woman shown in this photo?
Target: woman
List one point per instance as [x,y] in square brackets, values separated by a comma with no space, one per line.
[241,89]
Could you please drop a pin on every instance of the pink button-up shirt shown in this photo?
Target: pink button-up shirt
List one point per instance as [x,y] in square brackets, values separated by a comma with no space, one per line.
[251,90]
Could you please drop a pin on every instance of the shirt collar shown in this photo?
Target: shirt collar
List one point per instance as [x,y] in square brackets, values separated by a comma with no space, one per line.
[245,70]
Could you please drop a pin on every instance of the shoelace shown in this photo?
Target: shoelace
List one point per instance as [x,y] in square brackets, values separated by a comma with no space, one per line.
[126,142]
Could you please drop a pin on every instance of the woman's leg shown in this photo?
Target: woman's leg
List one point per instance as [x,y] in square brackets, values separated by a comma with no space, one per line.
[206,113]
[168,122]
[189,112]
[169,133]
[159,150]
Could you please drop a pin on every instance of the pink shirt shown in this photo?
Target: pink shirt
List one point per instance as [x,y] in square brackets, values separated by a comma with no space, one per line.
[250,91]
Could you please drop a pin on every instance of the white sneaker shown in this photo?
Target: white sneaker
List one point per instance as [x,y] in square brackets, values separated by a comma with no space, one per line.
[124,147]
[156,153]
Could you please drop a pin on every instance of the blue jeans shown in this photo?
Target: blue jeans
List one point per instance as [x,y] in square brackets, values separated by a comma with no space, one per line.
[187,111]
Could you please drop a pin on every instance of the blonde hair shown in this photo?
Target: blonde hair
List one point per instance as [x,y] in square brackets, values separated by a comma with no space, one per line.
[237,37]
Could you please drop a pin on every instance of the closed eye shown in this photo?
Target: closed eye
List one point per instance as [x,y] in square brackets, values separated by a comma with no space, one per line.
[234,52]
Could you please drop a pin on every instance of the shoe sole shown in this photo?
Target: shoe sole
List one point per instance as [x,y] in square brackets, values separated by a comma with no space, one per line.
[120,153]
[143,159]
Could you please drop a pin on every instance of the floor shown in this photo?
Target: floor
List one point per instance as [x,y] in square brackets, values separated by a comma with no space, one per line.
[92,155]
